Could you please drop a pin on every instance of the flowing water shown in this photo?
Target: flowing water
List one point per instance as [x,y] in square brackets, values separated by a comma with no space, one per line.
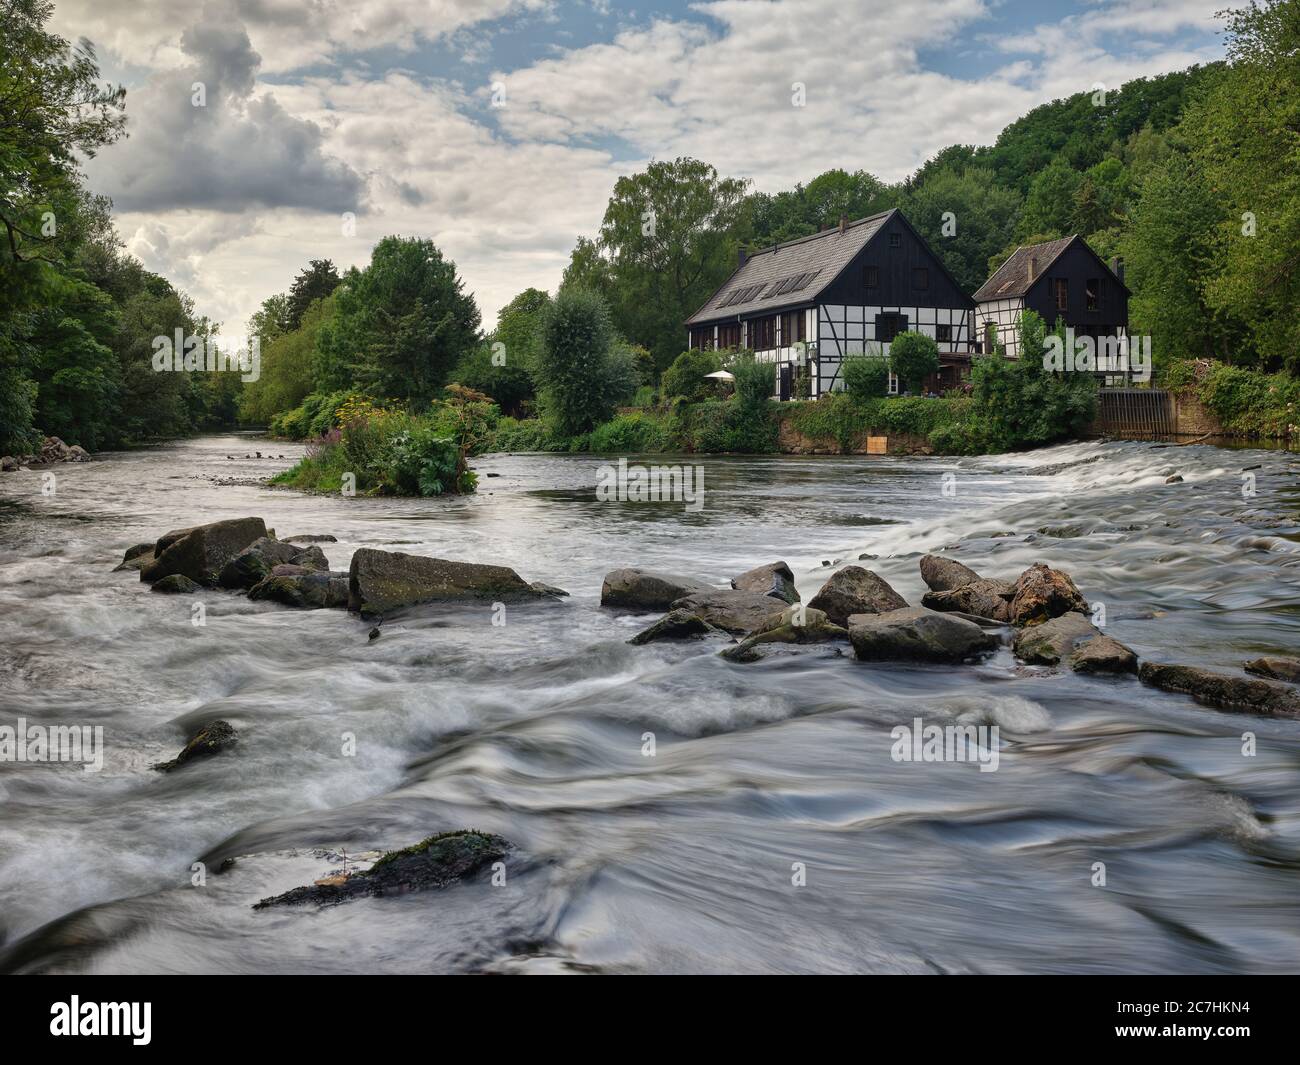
[535,729]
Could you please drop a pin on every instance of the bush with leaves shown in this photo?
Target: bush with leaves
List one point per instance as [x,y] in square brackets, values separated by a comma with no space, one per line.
[913,357]
[581,377]
[687,377]
[866,377]
[755,382]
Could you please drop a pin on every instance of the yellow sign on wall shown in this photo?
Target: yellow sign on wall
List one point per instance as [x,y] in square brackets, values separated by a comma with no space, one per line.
[877,445]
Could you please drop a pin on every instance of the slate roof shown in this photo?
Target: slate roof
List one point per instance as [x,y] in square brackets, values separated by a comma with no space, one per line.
[1011,279]
[790,274]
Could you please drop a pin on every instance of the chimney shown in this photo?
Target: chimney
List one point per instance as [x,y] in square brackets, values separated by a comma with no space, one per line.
[741,257]
[1033,268]
[844,222]
[1117,268]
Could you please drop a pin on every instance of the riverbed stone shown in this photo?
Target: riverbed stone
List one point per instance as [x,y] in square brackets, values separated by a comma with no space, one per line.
[639,589]
[548,590]
[1050,642]
[432,863]
[983,597]
[1223,690]
[136,557]
[256,561]
[675,625]
[202,552]
[1041,593]
[1275,668]
[855,590]
[1103,654]
[774,580]
[944,574]
[797,624]
[212,738]
[311,538]
[915,634]
[732,611]
[384,581]
[176,584]
[307,590]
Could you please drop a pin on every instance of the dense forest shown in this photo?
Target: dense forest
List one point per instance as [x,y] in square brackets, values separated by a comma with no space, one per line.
[1193,177]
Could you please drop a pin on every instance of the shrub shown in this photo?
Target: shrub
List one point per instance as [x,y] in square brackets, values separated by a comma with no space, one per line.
[865,377]
[629,433]
[687,376]
[755,382]
[913,356]
[581,379]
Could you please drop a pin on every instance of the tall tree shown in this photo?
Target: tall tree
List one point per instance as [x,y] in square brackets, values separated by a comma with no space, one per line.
[965,216]
[316,282]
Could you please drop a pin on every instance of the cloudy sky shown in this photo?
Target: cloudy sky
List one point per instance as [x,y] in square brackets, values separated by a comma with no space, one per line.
[498,127]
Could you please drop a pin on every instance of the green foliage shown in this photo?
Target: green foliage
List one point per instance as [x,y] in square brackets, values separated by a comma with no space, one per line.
[285,380]
[630,434]
[984,216]
[865,377]
[1252,403]
[317,281]
[687,379]
[808,209]
[913,357]
[755,382]
[581,378]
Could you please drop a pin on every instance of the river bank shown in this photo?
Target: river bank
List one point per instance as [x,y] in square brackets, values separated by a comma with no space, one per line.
[533,730]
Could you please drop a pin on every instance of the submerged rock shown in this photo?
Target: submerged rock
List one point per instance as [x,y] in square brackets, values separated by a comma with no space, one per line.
[433,863]
[311,538]
[944,574]
[209,740]
[854,590]
[202,552]
[797,624]
[675,625]
[639,589]
[1041,593]
[542,588]
[176,584]
[1222,690]
[1051,641]
[731,611]
[1275,668]
[383,581]
[774,580]
[915,634]
[307,590]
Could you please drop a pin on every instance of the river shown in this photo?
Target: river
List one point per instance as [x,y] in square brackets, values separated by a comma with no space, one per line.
[771,831]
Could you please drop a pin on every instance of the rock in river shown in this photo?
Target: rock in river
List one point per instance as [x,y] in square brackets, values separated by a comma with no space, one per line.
[433,863]
[1104,654]
[211,738]
[1041,593]
[734,612]
[983,597]
[176,584]
[1048,643]
[1222,690]
[259,558]
[854,590]
[639,589]
[943,574]
[308,590]
[1275,668]
[202,552]
[915,634]
[797,624]
[384,581]
[675,625]
[774,580]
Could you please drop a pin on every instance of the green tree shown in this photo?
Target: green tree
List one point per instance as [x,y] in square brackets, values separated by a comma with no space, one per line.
[1051,201]
[574,368]
[687,377]
[983,219]
[316,282]
[865,377]
[285,379]
[913,357]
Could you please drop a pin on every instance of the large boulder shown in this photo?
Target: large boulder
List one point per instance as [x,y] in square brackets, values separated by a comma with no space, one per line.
[774,580]
[915,634]
[675,625]
[797,624]
[433,863]
[176,584]
[202,552]
[136,557]
[1222,690]
[209,740]
[1275,668]
[308,590]
[854,590]
[1041,593]
[639,589]
[943,574]
[731,611]
[1104,654]
[54,450]
[77,453]
[983,597]
[256,561]
[383,581]
[1052,641]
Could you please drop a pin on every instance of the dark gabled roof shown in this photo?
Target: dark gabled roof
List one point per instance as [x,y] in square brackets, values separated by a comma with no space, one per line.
[1011,279]
[790,274]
